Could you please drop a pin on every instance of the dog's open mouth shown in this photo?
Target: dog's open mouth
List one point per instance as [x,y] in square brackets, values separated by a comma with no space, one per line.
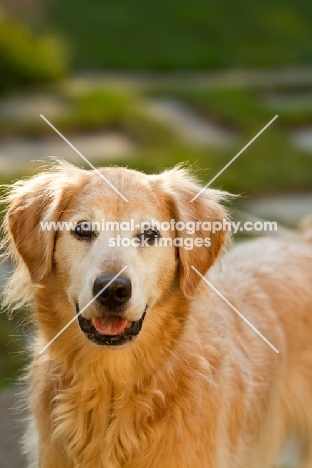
[110,331]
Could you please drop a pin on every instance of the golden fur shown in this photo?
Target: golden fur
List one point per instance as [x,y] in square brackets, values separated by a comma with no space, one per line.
[197,387]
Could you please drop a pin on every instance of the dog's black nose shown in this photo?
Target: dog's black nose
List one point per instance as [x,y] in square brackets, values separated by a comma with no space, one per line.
[115,294]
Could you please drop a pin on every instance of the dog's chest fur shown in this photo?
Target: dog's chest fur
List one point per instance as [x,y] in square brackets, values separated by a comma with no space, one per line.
[100,424]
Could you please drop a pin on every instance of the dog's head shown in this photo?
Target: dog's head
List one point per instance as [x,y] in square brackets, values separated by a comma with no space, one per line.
[110,261]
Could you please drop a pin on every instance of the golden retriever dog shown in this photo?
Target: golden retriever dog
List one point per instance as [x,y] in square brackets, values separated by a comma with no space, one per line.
[154,369]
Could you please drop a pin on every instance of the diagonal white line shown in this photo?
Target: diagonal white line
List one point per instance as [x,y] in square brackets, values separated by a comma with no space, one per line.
[233,159]
[84,158]
[80,312]
[235,310]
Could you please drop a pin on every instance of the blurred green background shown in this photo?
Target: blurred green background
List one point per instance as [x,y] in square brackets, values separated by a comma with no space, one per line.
[151,84]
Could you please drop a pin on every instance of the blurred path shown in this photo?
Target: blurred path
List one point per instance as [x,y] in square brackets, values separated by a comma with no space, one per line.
[190,125]
[289,209]
[225,78]
[23,155]
[11,430]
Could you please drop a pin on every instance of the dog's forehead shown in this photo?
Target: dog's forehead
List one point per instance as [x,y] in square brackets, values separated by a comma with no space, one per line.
[107,194]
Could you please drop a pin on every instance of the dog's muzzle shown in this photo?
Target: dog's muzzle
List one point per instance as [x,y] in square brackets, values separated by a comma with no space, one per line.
[110,327]
[93,330]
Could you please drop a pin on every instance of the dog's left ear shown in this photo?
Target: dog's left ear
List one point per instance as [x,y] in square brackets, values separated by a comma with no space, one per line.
[180,189]
[41,198]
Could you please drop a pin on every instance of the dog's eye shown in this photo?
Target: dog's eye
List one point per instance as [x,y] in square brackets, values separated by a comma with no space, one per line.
[149,235]
[83,230]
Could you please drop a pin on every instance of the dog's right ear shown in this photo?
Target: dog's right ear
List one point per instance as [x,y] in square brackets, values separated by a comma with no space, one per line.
[42,198]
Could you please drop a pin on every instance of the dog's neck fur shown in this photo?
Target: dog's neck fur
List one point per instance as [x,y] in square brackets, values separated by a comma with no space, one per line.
[118,386]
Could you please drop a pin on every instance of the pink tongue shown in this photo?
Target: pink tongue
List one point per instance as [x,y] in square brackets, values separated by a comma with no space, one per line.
[109,325]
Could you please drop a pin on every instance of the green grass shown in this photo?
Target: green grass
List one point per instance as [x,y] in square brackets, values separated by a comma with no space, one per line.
[114,109]
[26,57]
[175,35]
[12,359]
